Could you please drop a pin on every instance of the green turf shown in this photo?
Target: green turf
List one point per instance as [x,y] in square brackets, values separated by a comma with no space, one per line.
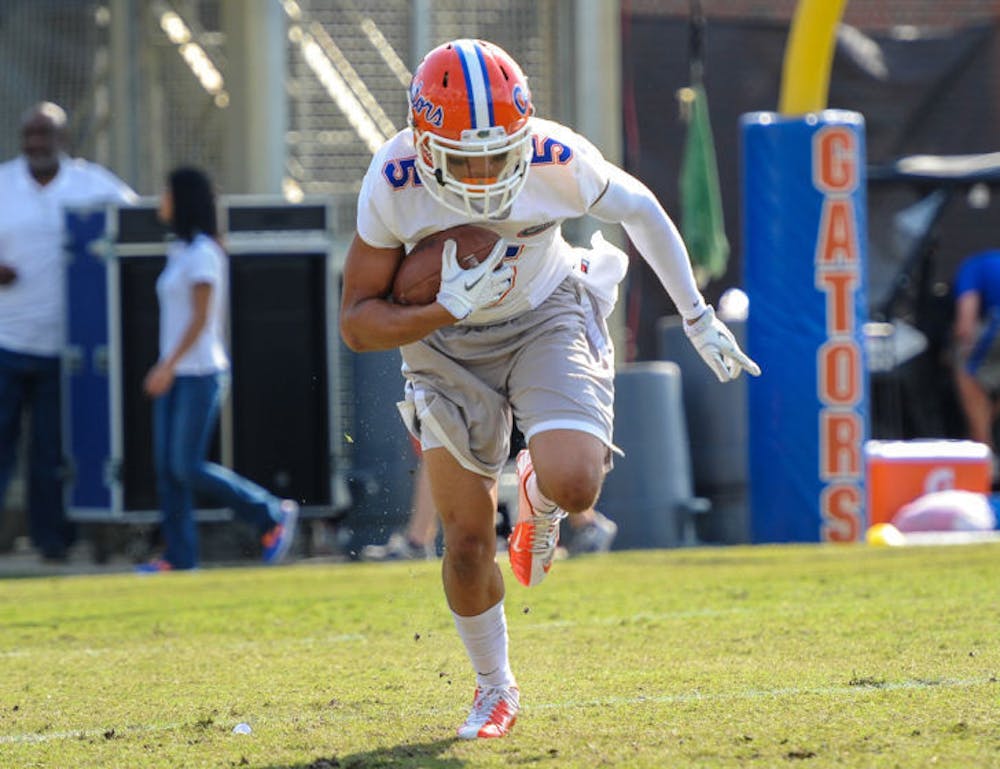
[804,656]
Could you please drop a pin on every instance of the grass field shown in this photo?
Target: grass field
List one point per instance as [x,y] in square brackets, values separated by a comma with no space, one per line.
[801,656]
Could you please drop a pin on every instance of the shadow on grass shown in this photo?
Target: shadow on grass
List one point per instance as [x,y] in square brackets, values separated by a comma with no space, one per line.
[421,755]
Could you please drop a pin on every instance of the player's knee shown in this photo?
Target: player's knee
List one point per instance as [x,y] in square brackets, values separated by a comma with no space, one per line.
[570,468]
[578,499]
[468,552]
[576,489]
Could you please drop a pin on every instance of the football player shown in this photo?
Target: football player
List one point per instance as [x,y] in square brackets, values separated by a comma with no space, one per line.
[520,337]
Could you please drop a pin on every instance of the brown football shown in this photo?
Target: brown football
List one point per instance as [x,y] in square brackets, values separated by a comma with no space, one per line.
[419,275]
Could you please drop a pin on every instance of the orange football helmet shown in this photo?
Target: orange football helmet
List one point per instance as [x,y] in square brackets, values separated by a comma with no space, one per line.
[469,110]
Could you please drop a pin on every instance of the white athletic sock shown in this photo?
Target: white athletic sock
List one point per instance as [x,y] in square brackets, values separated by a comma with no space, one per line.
[539,501]
[485,639]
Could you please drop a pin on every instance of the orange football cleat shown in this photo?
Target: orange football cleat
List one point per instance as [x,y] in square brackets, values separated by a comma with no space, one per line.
[532,544]
[494,711]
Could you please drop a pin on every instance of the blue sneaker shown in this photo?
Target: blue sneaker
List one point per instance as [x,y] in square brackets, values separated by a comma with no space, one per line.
[277,541]
[156,566]
[596,536]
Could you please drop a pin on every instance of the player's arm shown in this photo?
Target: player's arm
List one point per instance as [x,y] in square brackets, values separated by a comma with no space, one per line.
[368,320]
[629,202]
[966,318]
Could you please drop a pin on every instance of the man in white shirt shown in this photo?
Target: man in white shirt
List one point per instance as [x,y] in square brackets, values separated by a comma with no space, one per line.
[35,189]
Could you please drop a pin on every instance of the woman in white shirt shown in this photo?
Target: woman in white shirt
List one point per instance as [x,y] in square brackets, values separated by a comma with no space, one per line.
[189,380]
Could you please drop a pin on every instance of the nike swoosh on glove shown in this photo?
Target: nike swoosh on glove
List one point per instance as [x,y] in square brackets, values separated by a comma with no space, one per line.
[463,292]
[717,347]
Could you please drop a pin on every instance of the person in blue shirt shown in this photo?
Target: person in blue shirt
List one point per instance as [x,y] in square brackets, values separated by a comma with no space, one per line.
[977,342]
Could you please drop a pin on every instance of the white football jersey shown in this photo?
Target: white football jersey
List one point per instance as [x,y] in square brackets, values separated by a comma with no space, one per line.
[567,175]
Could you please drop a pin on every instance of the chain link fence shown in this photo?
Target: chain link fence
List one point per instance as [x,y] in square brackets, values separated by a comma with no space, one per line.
[347,67]
[49,50]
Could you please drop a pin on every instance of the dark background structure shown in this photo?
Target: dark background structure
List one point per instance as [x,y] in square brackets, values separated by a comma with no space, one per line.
[922,90]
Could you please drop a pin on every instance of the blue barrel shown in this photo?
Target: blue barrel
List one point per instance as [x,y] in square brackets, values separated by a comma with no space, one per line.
[805,243]
[717,414]
[383,462]
[649,492]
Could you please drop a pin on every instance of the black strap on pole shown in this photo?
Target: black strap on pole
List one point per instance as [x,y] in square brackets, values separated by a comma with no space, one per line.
[696,37]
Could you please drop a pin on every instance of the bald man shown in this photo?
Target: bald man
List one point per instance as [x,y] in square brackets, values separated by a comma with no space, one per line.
[35,189]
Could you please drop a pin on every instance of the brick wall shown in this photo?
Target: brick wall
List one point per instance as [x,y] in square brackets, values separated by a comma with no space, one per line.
[868,15]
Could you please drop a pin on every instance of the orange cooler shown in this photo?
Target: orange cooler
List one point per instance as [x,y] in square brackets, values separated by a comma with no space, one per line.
[901,471]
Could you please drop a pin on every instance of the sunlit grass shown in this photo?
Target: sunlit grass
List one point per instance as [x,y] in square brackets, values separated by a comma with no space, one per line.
[730,657]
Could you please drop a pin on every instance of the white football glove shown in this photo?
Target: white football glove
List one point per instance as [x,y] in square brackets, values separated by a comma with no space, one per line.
[717,347]
[463,292]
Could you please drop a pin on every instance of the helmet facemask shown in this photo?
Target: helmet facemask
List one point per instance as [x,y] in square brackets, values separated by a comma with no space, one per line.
[478,175]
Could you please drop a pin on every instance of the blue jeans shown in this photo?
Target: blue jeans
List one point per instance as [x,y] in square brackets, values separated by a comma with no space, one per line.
[183,422]
[31,383]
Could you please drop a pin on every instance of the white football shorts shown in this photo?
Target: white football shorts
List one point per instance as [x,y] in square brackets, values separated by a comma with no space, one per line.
[549,368]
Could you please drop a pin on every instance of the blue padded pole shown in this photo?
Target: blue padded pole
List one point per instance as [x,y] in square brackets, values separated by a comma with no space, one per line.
[805,246]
